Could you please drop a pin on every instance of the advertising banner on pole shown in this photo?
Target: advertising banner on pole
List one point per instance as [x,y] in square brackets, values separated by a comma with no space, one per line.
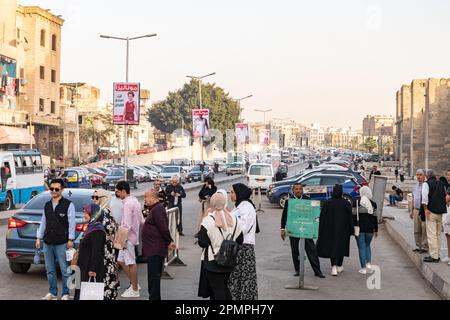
[126,103]
[303,219]
[242,136]
[265,137]
[200,123]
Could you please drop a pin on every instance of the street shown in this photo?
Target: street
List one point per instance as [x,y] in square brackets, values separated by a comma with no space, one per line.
[399,279]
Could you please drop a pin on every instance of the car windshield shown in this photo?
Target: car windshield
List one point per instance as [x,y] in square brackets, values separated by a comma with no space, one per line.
[70,174]
[260,171]
[180,161]
[171,170]
[116,173]
[38,202]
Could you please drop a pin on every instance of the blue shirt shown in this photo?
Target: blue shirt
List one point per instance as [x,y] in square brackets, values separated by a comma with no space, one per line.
[70,217]
[417,195]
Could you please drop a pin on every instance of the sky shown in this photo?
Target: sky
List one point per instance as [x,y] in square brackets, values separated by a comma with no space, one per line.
[325,61]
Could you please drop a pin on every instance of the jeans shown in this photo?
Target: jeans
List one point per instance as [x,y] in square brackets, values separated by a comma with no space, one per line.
[365,252]
[56,254]
[154,269]
[394,198]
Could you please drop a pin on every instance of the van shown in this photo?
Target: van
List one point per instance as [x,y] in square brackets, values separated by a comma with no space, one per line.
[260,175]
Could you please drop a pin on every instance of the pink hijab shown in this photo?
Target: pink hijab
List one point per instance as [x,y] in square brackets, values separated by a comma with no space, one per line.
[223,217]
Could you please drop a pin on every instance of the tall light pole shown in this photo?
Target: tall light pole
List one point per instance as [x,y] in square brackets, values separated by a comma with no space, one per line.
[200,106]
[127,39]
[239,105]
[264,111]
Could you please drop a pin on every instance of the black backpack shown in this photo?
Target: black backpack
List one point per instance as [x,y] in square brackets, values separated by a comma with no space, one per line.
[227,255]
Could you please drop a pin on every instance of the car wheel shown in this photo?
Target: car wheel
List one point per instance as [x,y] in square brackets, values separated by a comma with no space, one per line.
[19,267]
[9,202]
[348,198]
[283,199]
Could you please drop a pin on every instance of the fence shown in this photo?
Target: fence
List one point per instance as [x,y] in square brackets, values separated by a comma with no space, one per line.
[173,257]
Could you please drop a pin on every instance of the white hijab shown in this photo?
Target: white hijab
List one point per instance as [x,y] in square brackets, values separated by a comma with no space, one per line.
[366,196]
[225,195]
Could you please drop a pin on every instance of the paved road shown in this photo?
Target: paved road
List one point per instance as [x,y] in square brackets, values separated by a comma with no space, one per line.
[400,280]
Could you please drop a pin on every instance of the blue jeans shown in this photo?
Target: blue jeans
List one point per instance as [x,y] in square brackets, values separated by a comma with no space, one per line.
[54,254]
[365,252]
[394,198]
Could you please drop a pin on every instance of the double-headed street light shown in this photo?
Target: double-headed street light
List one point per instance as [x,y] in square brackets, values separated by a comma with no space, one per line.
[127,39]
[264,111]
[199,79]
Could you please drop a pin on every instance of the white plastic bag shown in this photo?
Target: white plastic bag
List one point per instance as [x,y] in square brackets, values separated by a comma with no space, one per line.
[92,290]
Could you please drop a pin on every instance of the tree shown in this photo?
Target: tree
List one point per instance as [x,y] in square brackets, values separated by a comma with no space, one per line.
[370,144]
[98,130]
[389,145]
[167,115]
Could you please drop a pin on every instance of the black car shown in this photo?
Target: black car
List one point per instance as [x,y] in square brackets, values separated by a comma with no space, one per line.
[196,175]
[116,175]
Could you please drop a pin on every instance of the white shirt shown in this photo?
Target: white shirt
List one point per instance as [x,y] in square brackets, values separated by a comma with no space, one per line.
[116,207]
[425,193]
[247,219]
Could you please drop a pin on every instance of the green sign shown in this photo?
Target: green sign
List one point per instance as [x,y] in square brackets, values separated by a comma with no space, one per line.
[303,219]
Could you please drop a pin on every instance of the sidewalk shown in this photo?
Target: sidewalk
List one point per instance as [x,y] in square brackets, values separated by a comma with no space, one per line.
[401,229]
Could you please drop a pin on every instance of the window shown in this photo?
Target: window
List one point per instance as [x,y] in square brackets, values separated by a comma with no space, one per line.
[18,34]
[259,170]
[42,38]
[41,105]
[42,72]
[37,163]
[27,164]
[312,181]
[331,181]
[22,73]
[54,42]
[80,119]
[18,164]
[52,107]
[53,76]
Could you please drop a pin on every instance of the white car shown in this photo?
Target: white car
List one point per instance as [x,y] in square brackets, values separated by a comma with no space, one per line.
[260,175]
[169,172]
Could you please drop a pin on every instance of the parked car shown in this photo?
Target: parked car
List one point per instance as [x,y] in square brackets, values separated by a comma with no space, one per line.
[97,171]
[169,172]
[235,168]
[260,176]
[23,226]
[320,186]
[115,176]
[75,179]
[196,175]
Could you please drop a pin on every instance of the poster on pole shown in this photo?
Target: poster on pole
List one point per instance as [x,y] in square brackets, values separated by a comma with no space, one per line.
[303,219]
[200,123]
[126,103]
[242,136]
[265,137]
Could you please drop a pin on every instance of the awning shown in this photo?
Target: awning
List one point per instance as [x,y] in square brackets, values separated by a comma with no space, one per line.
[13,135]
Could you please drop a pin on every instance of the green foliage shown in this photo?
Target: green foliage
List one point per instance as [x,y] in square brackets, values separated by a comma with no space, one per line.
[370,144]
[167,115]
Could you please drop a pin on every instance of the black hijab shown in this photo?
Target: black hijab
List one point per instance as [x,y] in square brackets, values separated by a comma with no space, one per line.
[338,191]
[243,193]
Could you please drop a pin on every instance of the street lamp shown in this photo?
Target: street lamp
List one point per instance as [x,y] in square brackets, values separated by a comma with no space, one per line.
[239,105]
[127,39]
[264,111]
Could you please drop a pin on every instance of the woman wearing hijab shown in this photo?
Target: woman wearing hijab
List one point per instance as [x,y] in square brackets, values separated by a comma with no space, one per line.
[368,225]
[91,250]
[243,283]
[102,198]
[335,229]
[216,227]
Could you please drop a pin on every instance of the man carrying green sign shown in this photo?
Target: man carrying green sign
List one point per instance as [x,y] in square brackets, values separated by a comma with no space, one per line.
[310,246]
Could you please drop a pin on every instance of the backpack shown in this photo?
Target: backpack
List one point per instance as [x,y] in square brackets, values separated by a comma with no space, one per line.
[227,255]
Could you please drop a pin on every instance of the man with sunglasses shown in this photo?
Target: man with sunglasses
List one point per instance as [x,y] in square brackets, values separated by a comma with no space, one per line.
[57,230]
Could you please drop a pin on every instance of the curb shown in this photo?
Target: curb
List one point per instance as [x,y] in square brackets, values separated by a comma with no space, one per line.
[437,283]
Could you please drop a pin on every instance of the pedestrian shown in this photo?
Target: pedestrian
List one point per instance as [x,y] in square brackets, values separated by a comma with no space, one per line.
[161,193]
[102,198]
[335,229]
[434,204]
[401,173]
[91,252]
[243,281]
[396,174]
[310,246]
[398,196]
[204,196]
[156,241]
[446,217]
[367,221]
[374,172]
[418,214]
[132,220]
[57,231]
[175,193]
[219,225]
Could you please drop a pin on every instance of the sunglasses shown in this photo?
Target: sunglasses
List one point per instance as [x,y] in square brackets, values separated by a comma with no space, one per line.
[55,189]
[97,197]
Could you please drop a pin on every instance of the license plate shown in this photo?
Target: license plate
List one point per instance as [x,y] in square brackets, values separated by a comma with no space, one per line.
[261,180]
[111,184]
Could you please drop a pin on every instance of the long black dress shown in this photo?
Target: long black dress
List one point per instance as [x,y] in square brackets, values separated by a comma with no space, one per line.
[91,257]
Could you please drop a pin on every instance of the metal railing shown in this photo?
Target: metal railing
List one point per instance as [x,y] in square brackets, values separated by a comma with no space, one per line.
[173,257]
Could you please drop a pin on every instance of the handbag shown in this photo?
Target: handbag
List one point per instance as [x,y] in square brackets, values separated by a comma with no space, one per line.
[357,228]
[92,290]
[121,238]
[75,258]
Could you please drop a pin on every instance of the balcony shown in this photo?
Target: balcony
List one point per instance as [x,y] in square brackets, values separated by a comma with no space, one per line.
[48,120]
[13,117]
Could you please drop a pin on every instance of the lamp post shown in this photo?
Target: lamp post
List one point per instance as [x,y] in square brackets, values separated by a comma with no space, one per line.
[127,39]
[200,106]
[239,105]
[264,112]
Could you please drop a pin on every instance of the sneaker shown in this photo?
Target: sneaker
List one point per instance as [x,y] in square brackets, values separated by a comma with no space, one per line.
[448,263]
[334,271]
[131,294]
[340,269]
[49,296]
[129,287]
[368,266]
[363,271]
[446,259]
[65,297]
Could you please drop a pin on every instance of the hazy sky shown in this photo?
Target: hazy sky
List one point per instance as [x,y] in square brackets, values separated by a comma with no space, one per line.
[331,62]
